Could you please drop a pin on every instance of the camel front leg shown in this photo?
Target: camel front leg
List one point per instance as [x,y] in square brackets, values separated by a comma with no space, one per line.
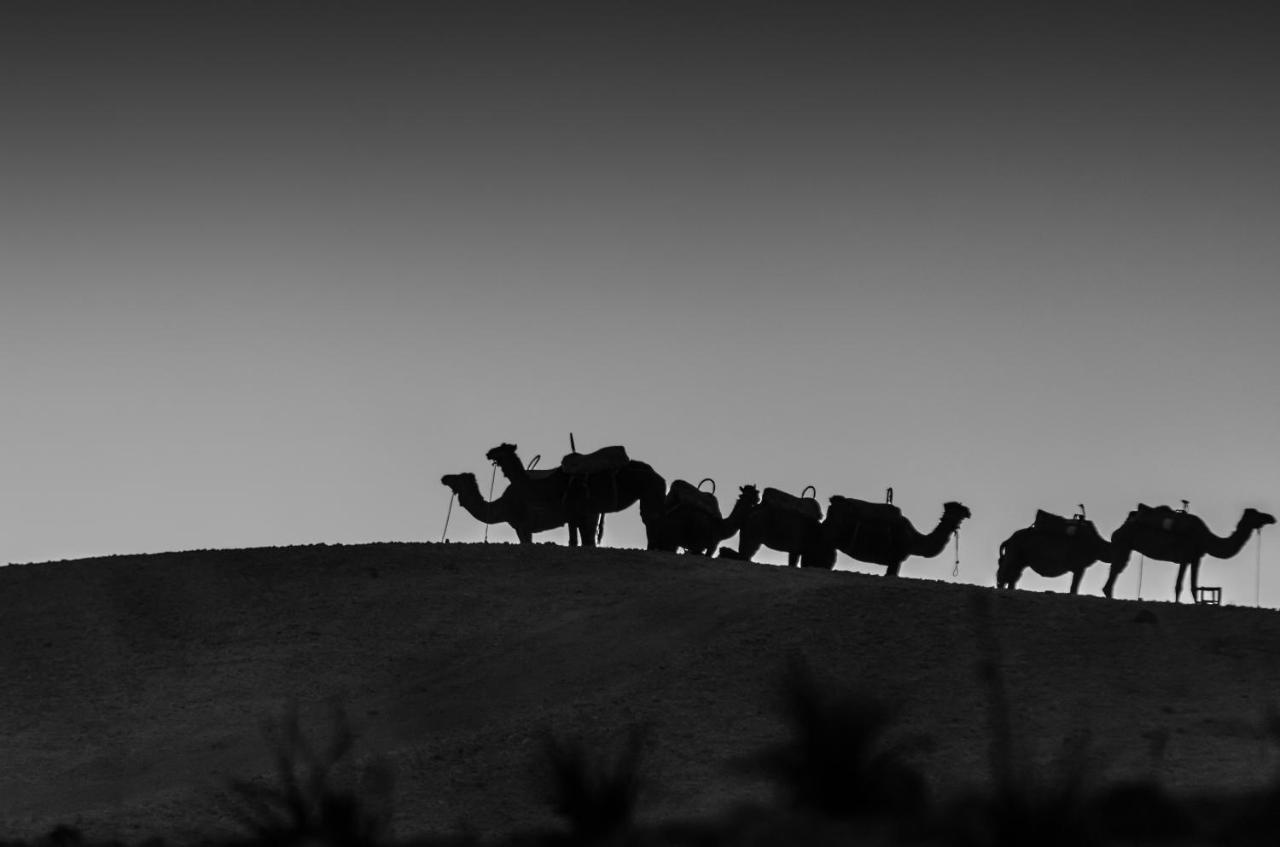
[1177,586]
[1117,567]
[1076,576]
[1195,581]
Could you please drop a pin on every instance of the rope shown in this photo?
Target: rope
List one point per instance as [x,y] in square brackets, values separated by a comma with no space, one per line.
[1142,561]
[447,515]
[489,505]
[1257,587]
[955,572]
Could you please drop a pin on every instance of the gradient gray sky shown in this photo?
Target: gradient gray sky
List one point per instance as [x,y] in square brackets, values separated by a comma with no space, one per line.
[269,271]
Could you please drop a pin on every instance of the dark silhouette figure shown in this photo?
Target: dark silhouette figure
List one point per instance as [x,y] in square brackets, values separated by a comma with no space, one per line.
[1053,546]
[788,524]
[691,519]
[529,507]
[595,484]
[1168,535]
[878,534]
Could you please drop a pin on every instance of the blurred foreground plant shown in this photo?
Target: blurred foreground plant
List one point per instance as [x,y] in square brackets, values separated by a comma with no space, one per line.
[596,793]
[307,805]
[842,759]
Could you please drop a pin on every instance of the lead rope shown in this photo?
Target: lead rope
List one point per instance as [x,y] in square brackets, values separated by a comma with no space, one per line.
[489,506]
[955,572]
[447,514]
[1257,585]
[1142,561]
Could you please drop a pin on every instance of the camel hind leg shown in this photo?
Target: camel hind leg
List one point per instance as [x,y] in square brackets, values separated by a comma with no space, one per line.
[1076,576]
[1177,586]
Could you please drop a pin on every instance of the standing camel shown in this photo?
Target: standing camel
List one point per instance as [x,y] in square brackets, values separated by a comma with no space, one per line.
[596,484]
[877,533]
[1167,535]
[1053,546]
[529,508]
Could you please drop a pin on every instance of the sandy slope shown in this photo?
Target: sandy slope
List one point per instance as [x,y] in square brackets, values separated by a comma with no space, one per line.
[135,686]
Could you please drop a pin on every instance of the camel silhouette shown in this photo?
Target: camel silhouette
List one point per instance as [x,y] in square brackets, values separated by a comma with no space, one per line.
[529,507]
[1168,535]
[878,534]
[788,524]
[691,519]
[599,487]
[1053,546]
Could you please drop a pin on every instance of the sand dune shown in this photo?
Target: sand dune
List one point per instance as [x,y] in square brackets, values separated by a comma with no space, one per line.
[135,686]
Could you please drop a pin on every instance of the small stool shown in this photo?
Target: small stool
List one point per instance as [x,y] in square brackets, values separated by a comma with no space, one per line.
[1209,596]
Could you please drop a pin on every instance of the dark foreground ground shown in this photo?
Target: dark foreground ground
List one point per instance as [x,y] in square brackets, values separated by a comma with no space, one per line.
[135,688]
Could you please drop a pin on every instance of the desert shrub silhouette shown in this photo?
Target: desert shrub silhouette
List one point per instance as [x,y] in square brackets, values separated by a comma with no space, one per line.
[307,805]
[842,759]
[596,792]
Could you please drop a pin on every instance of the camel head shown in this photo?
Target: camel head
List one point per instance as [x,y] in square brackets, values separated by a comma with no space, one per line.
[459,482]
[1254,519]
[501,452]
[956,512]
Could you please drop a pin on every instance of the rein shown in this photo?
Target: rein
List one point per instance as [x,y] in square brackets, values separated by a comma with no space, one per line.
[1257,583]
[452,496]
[489,505]
[955,572]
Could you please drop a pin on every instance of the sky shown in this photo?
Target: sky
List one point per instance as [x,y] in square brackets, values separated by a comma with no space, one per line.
[267,271]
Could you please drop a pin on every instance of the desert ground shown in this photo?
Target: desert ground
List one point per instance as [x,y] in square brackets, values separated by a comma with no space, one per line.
[136,687]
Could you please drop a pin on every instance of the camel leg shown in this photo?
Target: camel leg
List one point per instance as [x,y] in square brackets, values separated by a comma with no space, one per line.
[1075,581]
[793,559]
[893,569]
[1177,586]
[1117,568]
[747,547]
[1195,581]
[525,536]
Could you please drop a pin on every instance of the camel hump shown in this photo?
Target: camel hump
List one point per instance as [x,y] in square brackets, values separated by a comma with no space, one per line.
[1057,524]
[864,511]
[807,506]
[684,495]
[604,459]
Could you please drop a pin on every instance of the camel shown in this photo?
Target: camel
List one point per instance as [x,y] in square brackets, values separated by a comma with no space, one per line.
[877,533]
[1053,546]
[691,522]
[527,509]
[1166,535]
[788,524]
[597,488]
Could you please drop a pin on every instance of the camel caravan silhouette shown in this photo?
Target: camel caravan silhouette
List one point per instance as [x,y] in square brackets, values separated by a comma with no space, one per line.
[585,487]
[1053,546]
[1175,535]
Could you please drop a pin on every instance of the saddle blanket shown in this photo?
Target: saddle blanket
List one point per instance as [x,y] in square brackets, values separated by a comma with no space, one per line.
[686,495]
[807,506]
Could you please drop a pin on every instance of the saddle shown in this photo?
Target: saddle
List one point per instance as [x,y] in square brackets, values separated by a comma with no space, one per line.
[1165,518]
[604,460]
[1058,525]
[864,511]
[684,495]
[806,506]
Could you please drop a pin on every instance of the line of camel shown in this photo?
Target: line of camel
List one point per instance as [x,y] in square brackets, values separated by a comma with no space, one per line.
[586,487]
